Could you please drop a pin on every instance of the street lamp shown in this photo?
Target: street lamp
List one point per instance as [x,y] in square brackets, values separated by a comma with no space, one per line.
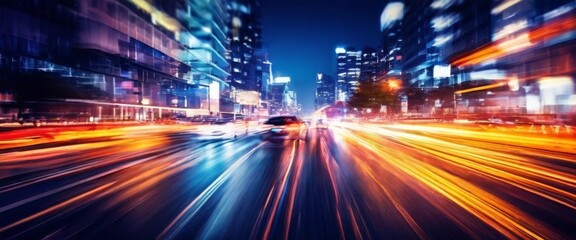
[393,84]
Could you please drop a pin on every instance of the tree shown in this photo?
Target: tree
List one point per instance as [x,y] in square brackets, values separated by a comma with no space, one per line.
[372,95]
[365,96]
[416,98]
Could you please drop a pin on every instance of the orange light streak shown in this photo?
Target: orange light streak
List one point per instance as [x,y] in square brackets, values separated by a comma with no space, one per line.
[282,189]
[506,168]
[58,206]
[537,35]
[495,85]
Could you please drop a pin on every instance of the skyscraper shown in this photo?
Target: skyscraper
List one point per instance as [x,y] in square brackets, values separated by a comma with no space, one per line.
[391,39]
[459,45]
[278,95]
[250,71]
[325,90]
[206,44]
[369,66]
[246,55]
[118,59]
[419,50]
[349,62]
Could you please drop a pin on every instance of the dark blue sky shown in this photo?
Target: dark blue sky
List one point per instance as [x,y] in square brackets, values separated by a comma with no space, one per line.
[301,36]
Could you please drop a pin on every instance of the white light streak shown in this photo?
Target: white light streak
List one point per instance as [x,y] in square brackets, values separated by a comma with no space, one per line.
[442,4]
[510,29]
[442,22]
[442,39]
[393,12]
[503,6]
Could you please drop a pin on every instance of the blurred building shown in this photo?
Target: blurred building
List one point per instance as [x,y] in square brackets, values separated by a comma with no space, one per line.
[528,63]
[116,59]
[421,55]
[434,32]
[369,66]
[267,77]
[392,52]
[291,103]
[477,57]
[282,100]
[349,62]
[277,98]
[392,39]
[325,90]
[248,60]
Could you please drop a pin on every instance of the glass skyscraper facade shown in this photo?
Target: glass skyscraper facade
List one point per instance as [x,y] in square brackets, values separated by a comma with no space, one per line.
[325,90]
[349,61]
[115,60]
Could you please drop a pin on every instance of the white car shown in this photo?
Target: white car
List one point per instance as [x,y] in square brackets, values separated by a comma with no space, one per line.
[217,130]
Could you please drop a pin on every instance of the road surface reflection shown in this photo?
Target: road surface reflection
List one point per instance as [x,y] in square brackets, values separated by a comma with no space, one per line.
[349,181]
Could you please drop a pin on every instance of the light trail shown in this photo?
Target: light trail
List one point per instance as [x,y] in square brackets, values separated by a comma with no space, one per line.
[365,181]
[188,213]
[480,203]
[69,186]
[128,152]
[455,157]
[333,168]
[59,206]
[281,192]
[367,170]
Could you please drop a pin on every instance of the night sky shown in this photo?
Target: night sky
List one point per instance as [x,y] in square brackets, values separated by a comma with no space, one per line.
[301,36]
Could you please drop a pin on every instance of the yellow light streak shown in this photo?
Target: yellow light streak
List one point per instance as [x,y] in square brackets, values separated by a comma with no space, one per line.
[495,85]
[463,158]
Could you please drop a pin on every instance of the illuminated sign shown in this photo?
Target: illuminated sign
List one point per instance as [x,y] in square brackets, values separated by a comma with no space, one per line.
[248,97]
[493,74]
[282,80]
[214,90]
[441,71]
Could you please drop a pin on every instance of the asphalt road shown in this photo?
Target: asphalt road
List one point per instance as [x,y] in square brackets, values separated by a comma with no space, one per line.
[353,181]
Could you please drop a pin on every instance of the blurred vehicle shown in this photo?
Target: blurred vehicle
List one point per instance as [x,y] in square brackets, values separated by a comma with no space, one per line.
[34,118]
[321,124]
[219,129]
[39,119]
[285,128]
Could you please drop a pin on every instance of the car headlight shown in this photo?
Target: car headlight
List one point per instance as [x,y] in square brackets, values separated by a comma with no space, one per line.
[277,129]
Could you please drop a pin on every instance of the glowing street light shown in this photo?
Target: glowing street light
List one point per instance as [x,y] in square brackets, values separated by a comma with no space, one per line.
[393,84]
[514,84]
[340,50]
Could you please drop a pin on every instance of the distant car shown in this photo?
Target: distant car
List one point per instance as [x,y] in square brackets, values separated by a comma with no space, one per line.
[42,118]
[285,128]
[321,124]
[34,118]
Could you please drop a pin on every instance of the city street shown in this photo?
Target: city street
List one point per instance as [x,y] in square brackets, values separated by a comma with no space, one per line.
[352,180]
